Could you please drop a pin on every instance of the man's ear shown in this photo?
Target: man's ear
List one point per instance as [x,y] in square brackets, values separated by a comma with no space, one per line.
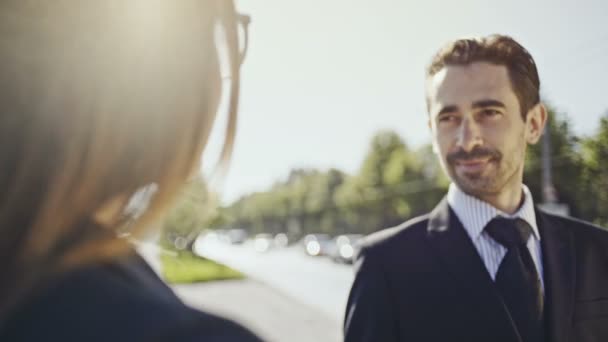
[536,120]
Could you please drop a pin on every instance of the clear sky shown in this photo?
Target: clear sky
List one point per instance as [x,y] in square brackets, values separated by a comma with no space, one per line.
[322,76]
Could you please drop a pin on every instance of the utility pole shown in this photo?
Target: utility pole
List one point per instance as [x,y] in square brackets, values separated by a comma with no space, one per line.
[549,193]
[550,200]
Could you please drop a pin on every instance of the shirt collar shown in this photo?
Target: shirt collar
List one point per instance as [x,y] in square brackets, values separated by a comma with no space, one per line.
[475,214]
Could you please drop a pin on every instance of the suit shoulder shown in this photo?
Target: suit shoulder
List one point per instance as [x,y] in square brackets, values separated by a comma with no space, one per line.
[580,227]
[398,235]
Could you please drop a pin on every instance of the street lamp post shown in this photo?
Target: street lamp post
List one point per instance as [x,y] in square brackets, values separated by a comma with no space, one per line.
[550,200]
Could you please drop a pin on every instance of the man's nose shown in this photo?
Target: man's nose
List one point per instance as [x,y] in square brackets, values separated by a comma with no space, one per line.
[469,135]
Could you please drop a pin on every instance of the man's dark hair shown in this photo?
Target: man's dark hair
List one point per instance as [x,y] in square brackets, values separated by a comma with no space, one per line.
[499,50]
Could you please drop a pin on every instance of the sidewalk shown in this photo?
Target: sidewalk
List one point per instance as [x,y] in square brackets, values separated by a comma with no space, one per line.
[316,282]
[271,315]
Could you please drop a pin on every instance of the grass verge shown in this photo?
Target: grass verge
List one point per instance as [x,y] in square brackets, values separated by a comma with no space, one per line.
[185,267]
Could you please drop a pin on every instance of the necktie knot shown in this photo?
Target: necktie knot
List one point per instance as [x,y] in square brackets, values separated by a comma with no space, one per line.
[509,232]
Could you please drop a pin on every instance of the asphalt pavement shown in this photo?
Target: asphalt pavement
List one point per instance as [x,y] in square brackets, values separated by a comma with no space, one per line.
[270,314]
[280,300]
[315,281]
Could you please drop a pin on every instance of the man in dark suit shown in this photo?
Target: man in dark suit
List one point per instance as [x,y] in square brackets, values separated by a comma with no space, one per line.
[486,264]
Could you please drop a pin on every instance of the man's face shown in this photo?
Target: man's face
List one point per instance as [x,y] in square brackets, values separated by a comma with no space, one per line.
[477,127]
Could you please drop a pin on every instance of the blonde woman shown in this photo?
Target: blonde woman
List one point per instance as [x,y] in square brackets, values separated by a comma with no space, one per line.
[98,100]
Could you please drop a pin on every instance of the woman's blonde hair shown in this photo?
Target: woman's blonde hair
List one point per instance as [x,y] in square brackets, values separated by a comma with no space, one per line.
[97,100]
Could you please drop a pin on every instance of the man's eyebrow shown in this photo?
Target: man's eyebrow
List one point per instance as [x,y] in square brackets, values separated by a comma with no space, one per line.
[448,109]
[488,103]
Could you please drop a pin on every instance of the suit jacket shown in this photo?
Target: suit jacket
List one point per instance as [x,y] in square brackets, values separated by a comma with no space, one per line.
[118,301]
[424,281]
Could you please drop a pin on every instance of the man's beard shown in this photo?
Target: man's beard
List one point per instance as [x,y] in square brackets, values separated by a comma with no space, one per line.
[477,184]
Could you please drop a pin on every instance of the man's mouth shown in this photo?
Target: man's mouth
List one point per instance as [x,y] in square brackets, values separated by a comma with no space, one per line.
[472,165]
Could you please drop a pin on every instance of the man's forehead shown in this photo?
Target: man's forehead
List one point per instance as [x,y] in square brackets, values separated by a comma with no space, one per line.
[456,83]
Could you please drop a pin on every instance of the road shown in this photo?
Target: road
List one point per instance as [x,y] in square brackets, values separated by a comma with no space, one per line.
[272,314]
[267,312]
[314,281]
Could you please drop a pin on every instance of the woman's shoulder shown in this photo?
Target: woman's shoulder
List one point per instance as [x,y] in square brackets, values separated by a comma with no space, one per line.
[118,301]
[211,328]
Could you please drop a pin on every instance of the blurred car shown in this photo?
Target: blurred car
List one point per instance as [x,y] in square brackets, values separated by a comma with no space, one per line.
[316,244]
[236,236]
[182,240]
[263,242]
[345,248]
[281,240]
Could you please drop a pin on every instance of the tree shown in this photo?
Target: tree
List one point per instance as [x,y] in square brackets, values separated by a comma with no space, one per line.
[320,206]
[567,164]
[595,175]
[394,184]
[195,207]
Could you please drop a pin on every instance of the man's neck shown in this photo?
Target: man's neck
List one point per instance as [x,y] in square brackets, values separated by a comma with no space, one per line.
[507,201]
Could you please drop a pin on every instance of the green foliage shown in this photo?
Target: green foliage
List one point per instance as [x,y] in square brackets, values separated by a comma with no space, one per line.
[185,267]
[390,184]
[194,209]
[595,175]
[395,183]
[302,203]
[579,169]
[567,163]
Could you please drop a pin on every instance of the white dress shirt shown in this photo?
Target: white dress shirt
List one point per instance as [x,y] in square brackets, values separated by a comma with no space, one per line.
[475,214]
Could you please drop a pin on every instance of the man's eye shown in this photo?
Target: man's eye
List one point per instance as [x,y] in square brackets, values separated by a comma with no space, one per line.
[490,112]
[447,118]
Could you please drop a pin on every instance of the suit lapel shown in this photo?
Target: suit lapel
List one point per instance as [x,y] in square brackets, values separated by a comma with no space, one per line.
[559,273]
[451,243]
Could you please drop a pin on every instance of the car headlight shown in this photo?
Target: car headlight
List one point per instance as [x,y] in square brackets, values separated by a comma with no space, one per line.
[347,251]
[313,248]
